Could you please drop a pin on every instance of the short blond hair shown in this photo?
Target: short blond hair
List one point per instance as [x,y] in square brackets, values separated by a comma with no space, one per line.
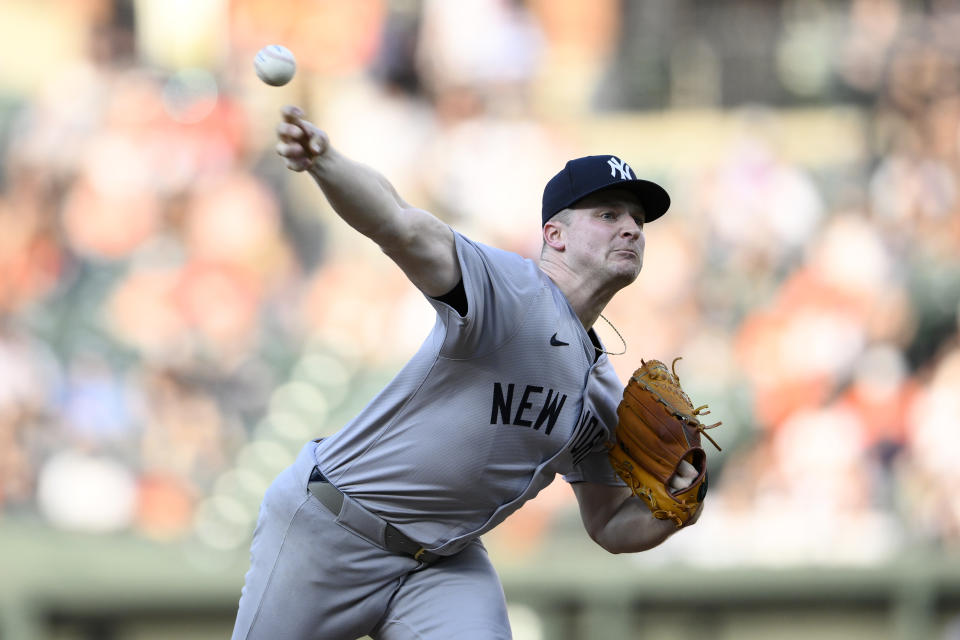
[563,216]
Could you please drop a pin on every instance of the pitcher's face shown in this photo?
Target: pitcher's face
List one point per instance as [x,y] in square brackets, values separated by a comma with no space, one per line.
[605,236]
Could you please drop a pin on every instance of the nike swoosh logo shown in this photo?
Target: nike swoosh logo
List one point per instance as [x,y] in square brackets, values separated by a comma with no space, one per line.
[557,343]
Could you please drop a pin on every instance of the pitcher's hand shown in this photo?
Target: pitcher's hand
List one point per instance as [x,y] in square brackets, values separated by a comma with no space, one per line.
[300,141]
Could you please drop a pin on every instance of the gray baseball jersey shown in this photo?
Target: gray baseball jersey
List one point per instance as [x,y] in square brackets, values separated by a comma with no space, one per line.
[491,408]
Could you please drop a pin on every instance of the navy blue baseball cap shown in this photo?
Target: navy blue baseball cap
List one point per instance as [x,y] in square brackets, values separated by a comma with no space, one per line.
[583,176]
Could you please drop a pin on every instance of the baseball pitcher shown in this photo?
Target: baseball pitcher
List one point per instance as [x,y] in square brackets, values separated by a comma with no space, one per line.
[376,529]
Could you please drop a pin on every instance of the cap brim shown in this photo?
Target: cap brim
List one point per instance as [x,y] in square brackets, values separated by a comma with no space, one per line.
[654,198]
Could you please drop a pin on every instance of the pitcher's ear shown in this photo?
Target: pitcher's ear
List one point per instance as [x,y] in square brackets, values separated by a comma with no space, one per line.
[554,235]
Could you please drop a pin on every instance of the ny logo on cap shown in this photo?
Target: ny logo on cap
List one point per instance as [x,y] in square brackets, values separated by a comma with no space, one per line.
[616,164]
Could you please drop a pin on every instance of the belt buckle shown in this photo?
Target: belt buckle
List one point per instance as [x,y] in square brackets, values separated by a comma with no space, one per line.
[419,553]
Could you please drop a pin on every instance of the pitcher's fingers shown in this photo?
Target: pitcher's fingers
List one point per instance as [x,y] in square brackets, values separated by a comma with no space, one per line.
[291,113]
[678,483]
[297,164]
[686,470]
[291,150]
[289,132]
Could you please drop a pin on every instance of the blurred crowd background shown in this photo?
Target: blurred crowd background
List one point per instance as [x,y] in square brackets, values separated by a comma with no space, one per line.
[179,313]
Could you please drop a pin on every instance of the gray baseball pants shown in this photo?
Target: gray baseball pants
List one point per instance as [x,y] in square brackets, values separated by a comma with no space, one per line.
[317,576]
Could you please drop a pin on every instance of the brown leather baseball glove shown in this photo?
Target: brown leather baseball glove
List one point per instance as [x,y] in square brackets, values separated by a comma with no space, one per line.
[656,438]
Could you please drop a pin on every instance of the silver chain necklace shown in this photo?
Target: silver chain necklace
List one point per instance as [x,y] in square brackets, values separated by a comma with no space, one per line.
[610,353]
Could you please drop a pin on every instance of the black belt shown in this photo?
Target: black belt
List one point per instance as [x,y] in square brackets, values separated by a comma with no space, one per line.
[393,540]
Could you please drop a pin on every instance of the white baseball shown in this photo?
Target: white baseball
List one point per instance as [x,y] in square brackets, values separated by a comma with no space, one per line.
[275,65]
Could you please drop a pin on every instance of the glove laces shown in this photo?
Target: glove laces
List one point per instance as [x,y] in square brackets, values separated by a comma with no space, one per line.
[702,410]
